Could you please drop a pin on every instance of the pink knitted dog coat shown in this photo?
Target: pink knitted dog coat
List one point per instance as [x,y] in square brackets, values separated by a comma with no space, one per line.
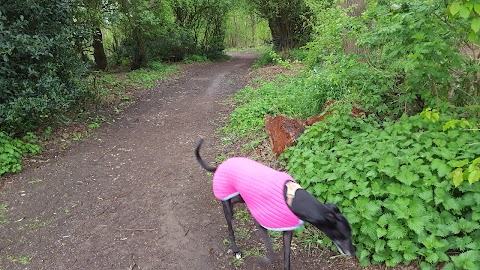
[261,188]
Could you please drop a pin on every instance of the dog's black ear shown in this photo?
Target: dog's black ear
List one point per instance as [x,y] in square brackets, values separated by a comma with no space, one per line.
[331,217]
[332,207]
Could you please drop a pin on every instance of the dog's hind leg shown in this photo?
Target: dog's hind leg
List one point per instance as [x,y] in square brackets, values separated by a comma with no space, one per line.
[271,254]
[228,211]
[287,241]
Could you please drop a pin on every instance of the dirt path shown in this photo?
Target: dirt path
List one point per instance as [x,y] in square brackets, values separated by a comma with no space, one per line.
[132,196]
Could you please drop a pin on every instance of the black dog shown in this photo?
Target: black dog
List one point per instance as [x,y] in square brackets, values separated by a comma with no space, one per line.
[302,204]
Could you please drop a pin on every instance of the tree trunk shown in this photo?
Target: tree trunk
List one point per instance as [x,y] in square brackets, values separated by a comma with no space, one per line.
[349,45]
[236,35]
[253,23]
[287,23]
[139,57]
[283,39]
[98,50]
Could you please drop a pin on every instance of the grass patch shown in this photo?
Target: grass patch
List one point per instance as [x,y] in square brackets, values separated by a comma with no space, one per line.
[147,77]
[35,181]
[195,58]
[3,218]
[295,96]
[24,260]
[35,224]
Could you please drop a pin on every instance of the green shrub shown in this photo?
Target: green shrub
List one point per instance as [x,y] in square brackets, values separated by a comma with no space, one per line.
[265,60]
[271,58]
[171,44]
[416,50]
[328,30]
[40,69]
[298,55]
[392,183]
[12,150]
[422,46]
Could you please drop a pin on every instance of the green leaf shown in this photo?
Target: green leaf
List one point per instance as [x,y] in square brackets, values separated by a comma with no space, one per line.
[395,258]
[468,5]
[476,161]
[395,231]
[431,243]
[464,12]
[381,232]
[462,242]
[459,163]
[475,25]
[466,260]
[450,124]
[369,229]
[472,36]
[440,142]
[426,266]
[426,195]
[442,230]
[455,8]
[372,208]
[380,257]
[463,225]
[406,176]
[394,244]
[432,257]
[474,176]
[476,7]
[416,224]
[457,176]
[384,219]
[451,204]
[409,256]
[441,166]
[364,254]
[476,216]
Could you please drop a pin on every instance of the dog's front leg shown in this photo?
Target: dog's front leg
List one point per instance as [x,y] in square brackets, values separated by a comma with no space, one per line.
[271,254]
[287,241]
[228,211]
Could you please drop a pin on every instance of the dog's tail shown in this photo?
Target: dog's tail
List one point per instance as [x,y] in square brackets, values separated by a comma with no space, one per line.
[200,160]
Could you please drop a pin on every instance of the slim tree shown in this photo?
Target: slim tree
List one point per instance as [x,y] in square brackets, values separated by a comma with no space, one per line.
[90,17]
[134,23]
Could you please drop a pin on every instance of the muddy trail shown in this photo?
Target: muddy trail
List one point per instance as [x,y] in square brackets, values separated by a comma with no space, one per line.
[133,197]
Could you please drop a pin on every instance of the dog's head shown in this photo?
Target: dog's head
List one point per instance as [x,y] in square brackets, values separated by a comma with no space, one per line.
[337,228]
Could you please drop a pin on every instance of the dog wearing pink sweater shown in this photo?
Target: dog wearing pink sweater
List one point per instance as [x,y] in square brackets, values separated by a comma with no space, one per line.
[276,202]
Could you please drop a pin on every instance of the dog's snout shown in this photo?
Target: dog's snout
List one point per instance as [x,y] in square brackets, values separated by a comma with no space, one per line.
[346,248]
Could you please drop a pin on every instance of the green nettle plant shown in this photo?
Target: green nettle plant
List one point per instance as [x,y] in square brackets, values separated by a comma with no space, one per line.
[393,182]
[12,151]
